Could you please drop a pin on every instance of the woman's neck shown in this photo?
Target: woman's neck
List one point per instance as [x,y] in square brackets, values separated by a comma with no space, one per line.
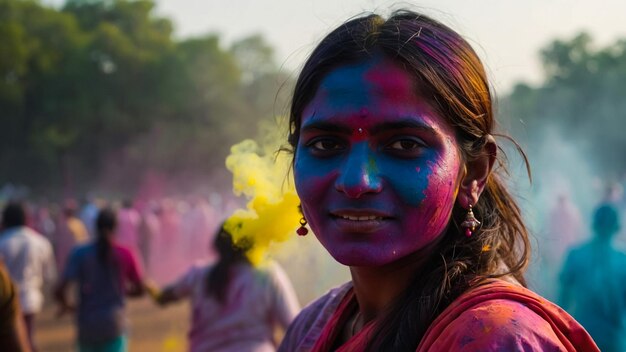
[376,288]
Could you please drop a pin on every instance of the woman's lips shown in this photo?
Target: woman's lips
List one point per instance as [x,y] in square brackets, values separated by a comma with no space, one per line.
[361,218]
[360,221]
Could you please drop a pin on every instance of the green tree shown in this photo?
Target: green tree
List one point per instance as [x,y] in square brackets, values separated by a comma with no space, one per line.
[99,93]
[37,44]
[264,85]
[582,97]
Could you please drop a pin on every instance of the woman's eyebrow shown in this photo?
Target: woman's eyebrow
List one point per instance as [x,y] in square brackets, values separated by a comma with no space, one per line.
[376,129]
[326,126]
[402,124]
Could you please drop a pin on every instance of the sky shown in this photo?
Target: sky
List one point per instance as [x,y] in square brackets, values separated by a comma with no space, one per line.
[506,34]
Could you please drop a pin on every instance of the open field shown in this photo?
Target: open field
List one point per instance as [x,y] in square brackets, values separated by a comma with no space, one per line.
[152,328]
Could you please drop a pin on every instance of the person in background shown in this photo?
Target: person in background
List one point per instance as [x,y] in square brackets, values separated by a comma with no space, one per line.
[12,331]
[197,224]
[593,283]
[88,214]
[235,306]
[44,222]
[129,222]
[397,170]
[70,232]
[168,260]
[105,273]
[149,235]
[30,262]
[565,228]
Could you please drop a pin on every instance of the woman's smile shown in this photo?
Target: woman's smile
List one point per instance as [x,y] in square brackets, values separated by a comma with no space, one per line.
[360,221]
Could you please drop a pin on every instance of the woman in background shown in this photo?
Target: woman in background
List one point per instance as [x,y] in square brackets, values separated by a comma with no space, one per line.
[105,273]
[235,306]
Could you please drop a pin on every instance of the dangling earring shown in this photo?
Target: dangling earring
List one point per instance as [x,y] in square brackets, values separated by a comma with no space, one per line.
[470,223]
[302,231]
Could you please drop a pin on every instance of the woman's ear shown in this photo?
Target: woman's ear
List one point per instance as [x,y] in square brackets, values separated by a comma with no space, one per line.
[476,173]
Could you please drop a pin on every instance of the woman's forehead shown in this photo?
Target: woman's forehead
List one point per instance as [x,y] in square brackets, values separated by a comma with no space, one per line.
[366,93]
[375,75]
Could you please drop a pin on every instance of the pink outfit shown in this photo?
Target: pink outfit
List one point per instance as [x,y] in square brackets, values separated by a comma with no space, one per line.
[565,229]
[128,221]
[258,300]
[197,228]
[167,257]
[150,230]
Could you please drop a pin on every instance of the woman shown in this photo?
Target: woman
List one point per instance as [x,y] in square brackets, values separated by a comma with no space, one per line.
[236,307]
[105,273]
[391,128]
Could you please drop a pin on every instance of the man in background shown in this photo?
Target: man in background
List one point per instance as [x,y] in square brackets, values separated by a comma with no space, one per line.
[593,283]
[29,260]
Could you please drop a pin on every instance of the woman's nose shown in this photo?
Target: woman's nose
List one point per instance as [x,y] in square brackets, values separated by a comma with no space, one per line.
[359,174]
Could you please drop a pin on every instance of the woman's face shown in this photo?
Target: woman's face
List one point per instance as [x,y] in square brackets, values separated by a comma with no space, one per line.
[376,168]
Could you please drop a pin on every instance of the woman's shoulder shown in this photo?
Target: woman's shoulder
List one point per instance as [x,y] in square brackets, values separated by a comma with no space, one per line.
[308,325]
[499,324]
[500,315]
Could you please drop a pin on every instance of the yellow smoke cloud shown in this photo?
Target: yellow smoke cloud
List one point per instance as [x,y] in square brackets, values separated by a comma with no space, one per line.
[271,214]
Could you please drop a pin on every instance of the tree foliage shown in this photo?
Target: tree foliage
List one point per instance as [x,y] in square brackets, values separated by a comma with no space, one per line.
[102,85]
[582,97]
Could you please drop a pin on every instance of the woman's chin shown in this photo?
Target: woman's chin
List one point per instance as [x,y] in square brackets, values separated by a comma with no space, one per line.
[359,259]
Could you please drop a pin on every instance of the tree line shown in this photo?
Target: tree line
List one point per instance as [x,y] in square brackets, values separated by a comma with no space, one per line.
[97,94]
[582,100]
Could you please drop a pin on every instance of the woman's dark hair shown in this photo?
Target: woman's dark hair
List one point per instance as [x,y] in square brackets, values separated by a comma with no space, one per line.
[106,223]
[13,215]
[230,254]
[450,75]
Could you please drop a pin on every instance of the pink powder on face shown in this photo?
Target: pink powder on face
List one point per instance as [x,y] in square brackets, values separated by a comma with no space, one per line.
[394,82]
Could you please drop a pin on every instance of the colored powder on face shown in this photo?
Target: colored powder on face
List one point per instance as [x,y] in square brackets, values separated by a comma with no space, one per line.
[271,214]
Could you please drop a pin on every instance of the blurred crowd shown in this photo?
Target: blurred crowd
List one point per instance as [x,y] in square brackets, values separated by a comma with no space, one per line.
[579,260]
[170,243]
[166,235]
[580,263]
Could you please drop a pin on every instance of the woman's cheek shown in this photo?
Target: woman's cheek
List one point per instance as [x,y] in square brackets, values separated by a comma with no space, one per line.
[309,178]
[442,193]
[409,181]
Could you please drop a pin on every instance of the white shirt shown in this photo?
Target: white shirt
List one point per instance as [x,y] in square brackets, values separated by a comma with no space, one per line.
[30,262]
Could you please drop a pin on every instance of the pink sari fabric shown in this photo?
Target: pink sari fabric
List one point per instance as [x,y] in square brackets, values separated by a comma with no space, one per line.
[501,316]
[495,316]
[332,330]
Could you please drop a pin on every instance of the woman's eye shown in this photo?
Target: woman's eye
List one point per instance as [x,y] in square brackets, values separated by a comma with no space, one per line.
[325,145]
[405,145]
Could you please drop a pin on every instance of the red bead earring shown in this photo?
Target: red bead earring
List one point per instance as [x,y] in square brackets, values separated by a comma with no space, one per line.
[302,231]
